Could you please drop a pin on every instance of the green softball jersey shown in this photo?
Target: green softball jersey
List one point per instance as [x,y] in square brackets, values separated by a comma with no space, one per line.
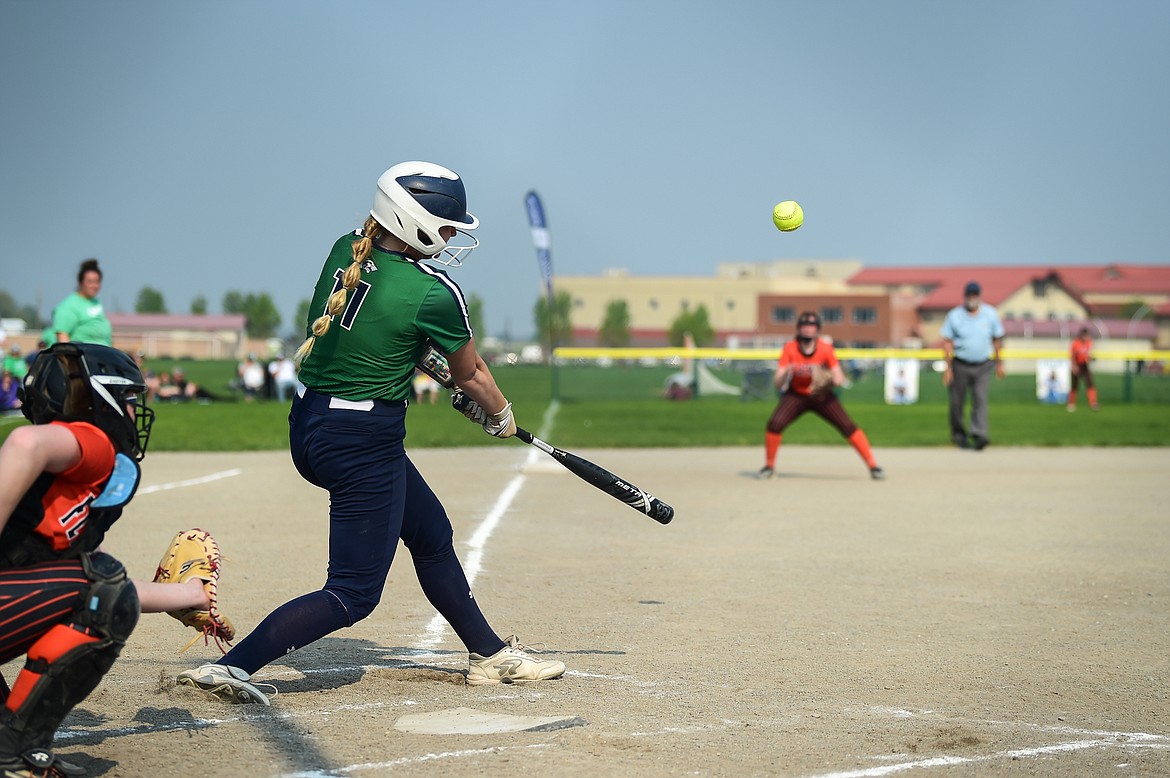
[83,320]
[372,346]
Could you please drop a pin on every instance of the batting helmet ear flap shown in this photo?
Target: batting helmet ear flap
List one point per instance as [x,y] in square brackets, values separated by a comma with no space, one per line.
[415,200]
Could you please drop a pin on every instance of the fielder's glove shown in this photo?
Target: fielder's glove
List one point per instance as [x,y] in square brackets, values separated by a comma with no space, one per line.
[822,381]
[195,554]
[501,424]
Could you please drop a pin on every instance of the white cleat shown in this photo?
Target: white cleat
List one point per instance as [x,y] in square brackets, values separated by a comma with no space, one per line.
[512,663]
[230,684]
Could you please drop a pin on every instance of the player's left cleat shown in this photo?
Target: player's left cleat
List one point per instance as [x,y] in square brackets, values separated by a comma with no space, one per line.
[38,763]
[512,663]
[765,472]
[877,474]
[230,684]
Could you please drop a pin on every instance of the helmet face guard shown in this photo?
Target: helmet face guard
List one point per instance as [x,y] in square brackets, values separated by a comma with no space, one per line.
[415,200]
[805,319]
[88,382]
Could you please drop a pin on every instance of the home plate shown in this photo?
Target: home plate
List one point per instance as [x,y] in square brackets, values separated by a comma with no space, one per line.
[468,721]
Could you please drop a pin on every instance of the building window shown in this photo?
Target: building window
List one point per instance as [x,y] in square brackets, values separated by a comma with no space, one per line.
[730,304]
[1039,288]
[865,315]
[832,314]
[578,303]
[686,306]
[783,314]
[653,303]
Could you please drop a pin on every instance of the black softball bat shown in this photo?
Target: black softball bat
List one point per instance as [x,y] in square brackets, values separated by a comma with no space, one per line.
[603,479]
[434,364]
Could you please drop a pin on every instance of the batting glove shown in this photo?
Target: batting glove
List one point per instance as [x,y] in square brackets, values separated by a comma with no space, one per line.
[502,424]
[468,407]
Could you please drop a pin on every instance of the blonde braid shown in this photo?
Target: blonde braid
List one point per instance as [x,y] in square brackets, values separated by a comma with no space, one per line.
[362,247]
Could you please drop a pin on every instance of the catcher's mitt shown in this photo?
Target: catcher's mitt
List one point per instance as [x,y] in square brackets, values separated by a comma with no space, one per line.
[822,381]
[195,554]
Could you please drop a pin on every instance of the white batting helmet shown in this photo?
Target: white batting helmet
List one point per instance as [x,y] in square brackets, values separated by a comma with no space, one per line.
[415,199]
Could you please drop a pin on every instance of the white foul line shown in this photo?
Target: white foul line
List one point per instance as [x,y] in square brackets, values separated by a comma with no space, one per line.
[206,479]
[1121,740]
[474,563]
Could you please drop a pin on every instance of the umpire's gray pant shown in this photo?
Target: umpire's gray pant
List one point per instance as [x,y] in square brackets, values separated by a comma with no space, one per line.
[975,378]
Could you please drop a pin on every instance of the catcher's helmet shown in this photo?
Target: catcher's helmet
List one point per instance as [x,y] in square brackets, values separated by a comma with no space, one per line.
[88,382]
[415,199]
[808,317]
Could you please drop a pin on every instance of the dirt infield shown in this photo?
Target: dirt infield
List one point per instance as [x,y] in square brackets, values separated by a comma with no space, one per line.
[998,612]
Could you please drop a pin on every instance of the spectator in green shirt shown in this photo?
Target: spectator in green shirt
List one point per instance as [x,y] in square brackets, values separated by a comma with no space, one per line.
[80,317]
[15,364]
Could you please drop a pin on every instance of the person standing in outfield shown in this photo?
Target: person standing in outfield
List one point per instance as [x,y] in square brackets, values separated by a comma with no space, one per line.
[80,316]
[1080,355]
[972,338]
[806,374]
[375,307]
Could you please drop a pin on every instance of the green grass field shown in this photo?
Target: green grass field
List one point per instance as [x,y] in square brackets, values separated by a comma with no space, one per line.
[623,407]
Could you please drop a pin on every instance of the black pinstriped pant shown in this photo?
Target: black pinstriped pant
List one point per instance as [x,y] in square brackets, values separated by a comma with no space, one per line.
[35,599]
[793,405]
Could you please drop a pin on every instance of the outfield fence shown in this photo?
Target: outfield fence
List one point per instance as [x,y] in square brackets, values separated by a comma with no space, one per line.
[594,373]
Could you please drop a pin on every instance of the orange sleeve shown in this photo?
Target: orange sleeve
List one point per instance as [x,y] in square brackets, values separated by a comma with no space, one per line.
[785,356]
[831,356]
[97,454]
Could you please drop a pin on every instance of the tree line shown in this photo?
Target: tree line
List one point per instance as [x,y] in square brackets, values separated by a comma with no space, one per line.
[263,320]
[555,325]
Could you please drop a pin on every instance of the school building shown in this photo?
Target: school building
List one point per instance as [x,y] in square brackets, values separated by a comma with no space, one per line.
[756,304]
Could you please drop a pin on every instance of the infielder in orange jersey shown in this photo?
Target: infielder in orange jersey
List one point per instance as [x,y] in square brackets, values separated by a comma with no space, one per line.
[1080,355]
[807,373]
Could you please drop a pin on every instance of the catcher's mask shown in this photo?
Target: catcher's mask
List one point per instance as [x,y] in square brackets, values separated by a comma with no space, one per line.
[88,382]
[805,319]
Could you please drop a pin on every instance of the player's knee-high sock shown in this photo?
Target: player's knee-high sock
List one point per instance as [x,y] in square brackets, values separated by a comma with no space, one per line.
[293,625]
[1072,397]
[861,444]
[1091,393]
[445,585]
[771,446]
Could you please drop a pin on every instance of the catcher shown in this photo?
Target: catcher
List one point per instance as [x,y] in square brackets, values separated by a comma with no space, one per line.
[66,605]
[806,375]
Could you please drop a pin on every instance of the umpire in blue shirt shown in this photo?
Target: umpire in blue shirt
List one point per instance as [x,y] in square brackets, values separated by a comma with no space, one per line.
[972,338]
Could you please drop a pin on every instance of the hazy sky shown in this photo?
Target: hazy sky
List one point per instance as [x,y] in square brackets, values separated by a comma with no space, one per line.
[204,147]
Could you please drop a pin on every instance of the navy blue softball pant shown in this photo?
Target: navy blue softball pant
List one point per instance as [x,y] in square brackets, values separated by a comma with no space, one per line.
[376,497]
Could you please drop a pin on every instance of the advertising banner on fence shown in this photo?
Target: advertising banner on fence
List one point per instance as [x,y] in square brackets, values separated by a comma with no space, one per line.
[1053,379]
[901,381]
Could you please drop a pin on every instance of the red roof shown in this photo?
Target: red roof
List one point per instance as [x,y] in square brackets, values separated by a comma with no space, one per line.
[1147,279]
[944,285]
[168,321]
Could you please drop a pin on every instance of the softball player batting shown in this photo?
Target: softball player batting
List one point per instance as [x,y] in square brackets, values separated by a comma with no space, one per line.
[806,373]
[374,309]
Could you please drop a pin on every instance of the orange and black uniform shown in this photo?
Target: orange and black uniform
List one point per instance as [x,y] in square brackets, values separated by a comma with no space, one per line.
[798,399]
[1080,355]
[49,568]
